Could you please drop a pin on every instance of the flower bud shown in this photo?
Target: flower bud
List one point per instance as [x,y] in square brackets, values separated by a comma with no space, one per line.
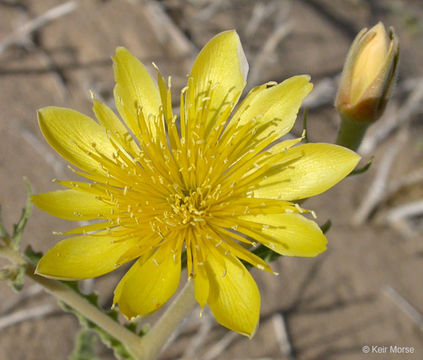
[368,75]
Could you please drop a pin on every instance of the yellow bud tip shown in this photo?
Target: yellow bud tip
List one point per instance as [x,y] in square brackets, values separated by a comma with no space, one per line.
[368,75]
[369,61]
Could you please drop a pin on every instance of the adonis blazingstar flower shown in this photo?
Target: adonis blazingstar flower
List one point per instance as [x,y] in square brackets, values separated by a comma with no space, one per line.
[214,185]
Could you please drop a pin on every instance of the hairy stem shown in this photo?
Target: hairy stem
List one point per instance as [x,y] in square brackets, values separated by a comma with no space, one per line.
[77,302]
[154,341]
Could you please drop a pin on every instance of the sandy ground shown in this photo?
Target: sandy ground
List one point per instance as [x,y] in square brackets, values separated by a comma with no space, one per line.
[332,305]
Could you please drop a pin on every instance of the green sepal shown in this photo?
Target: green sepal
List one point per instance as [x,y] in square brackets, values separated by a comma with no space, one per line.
[362,169]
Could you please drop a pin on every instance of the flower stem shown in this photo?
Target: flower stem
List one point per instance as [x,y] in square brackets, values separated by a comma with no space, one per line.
[77,302]
[351,133]
[146,348]
[154,341]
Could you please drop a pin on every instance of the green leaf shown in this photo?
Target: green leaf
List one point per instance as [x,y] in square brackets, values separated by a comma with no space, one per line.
[84,346]
[19,278]
[32,255]
[362,169]
[15,275]
[326,226]
[26,213]
[3,232]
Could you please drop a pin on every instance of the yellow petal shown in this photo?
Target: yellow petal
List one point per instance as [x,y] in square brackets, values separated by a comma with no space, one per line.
[314,169]
[274,108]
[234,297]
[83,257]
[201,286]
[71,205]
[111,122]
[288,234]
[134,91]
[220,67]
[73,135]
[148,284]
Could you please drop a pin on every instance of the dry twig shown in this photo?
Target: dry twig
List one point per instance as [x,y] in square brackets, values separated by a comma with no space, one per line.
[188,321]
[22,32]
[385,127]
[167,33]
[323,93]
[282,336]
[281,32]
[260,13]
[26,314]
[217,349]
[404,306]
[377,190]
[22,296]
[210,10]
[199,339]
[413,178]
[398,216]
[282,28]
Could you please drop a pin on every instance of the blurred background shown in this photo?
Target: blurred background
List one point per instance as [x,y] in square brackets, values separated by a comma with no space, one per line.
[366,289]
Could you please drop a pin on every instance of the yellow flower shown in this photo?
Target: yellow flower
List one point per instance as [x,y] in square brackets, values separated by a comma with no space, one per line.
[211,184]
[368,75]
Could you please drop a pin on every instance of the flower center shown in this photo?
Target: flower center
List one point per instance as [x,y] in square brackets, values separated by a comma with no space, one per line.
[190,207]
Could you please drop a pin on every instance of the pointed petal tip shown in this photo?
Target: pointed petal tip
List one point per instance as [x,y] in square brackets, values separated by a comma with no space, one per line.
[232,36]
[251,335]
[306,77]
[126,313]
[37,271]
[121,50]
[42,270]
[241,54]
[354,158]
[42,112]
